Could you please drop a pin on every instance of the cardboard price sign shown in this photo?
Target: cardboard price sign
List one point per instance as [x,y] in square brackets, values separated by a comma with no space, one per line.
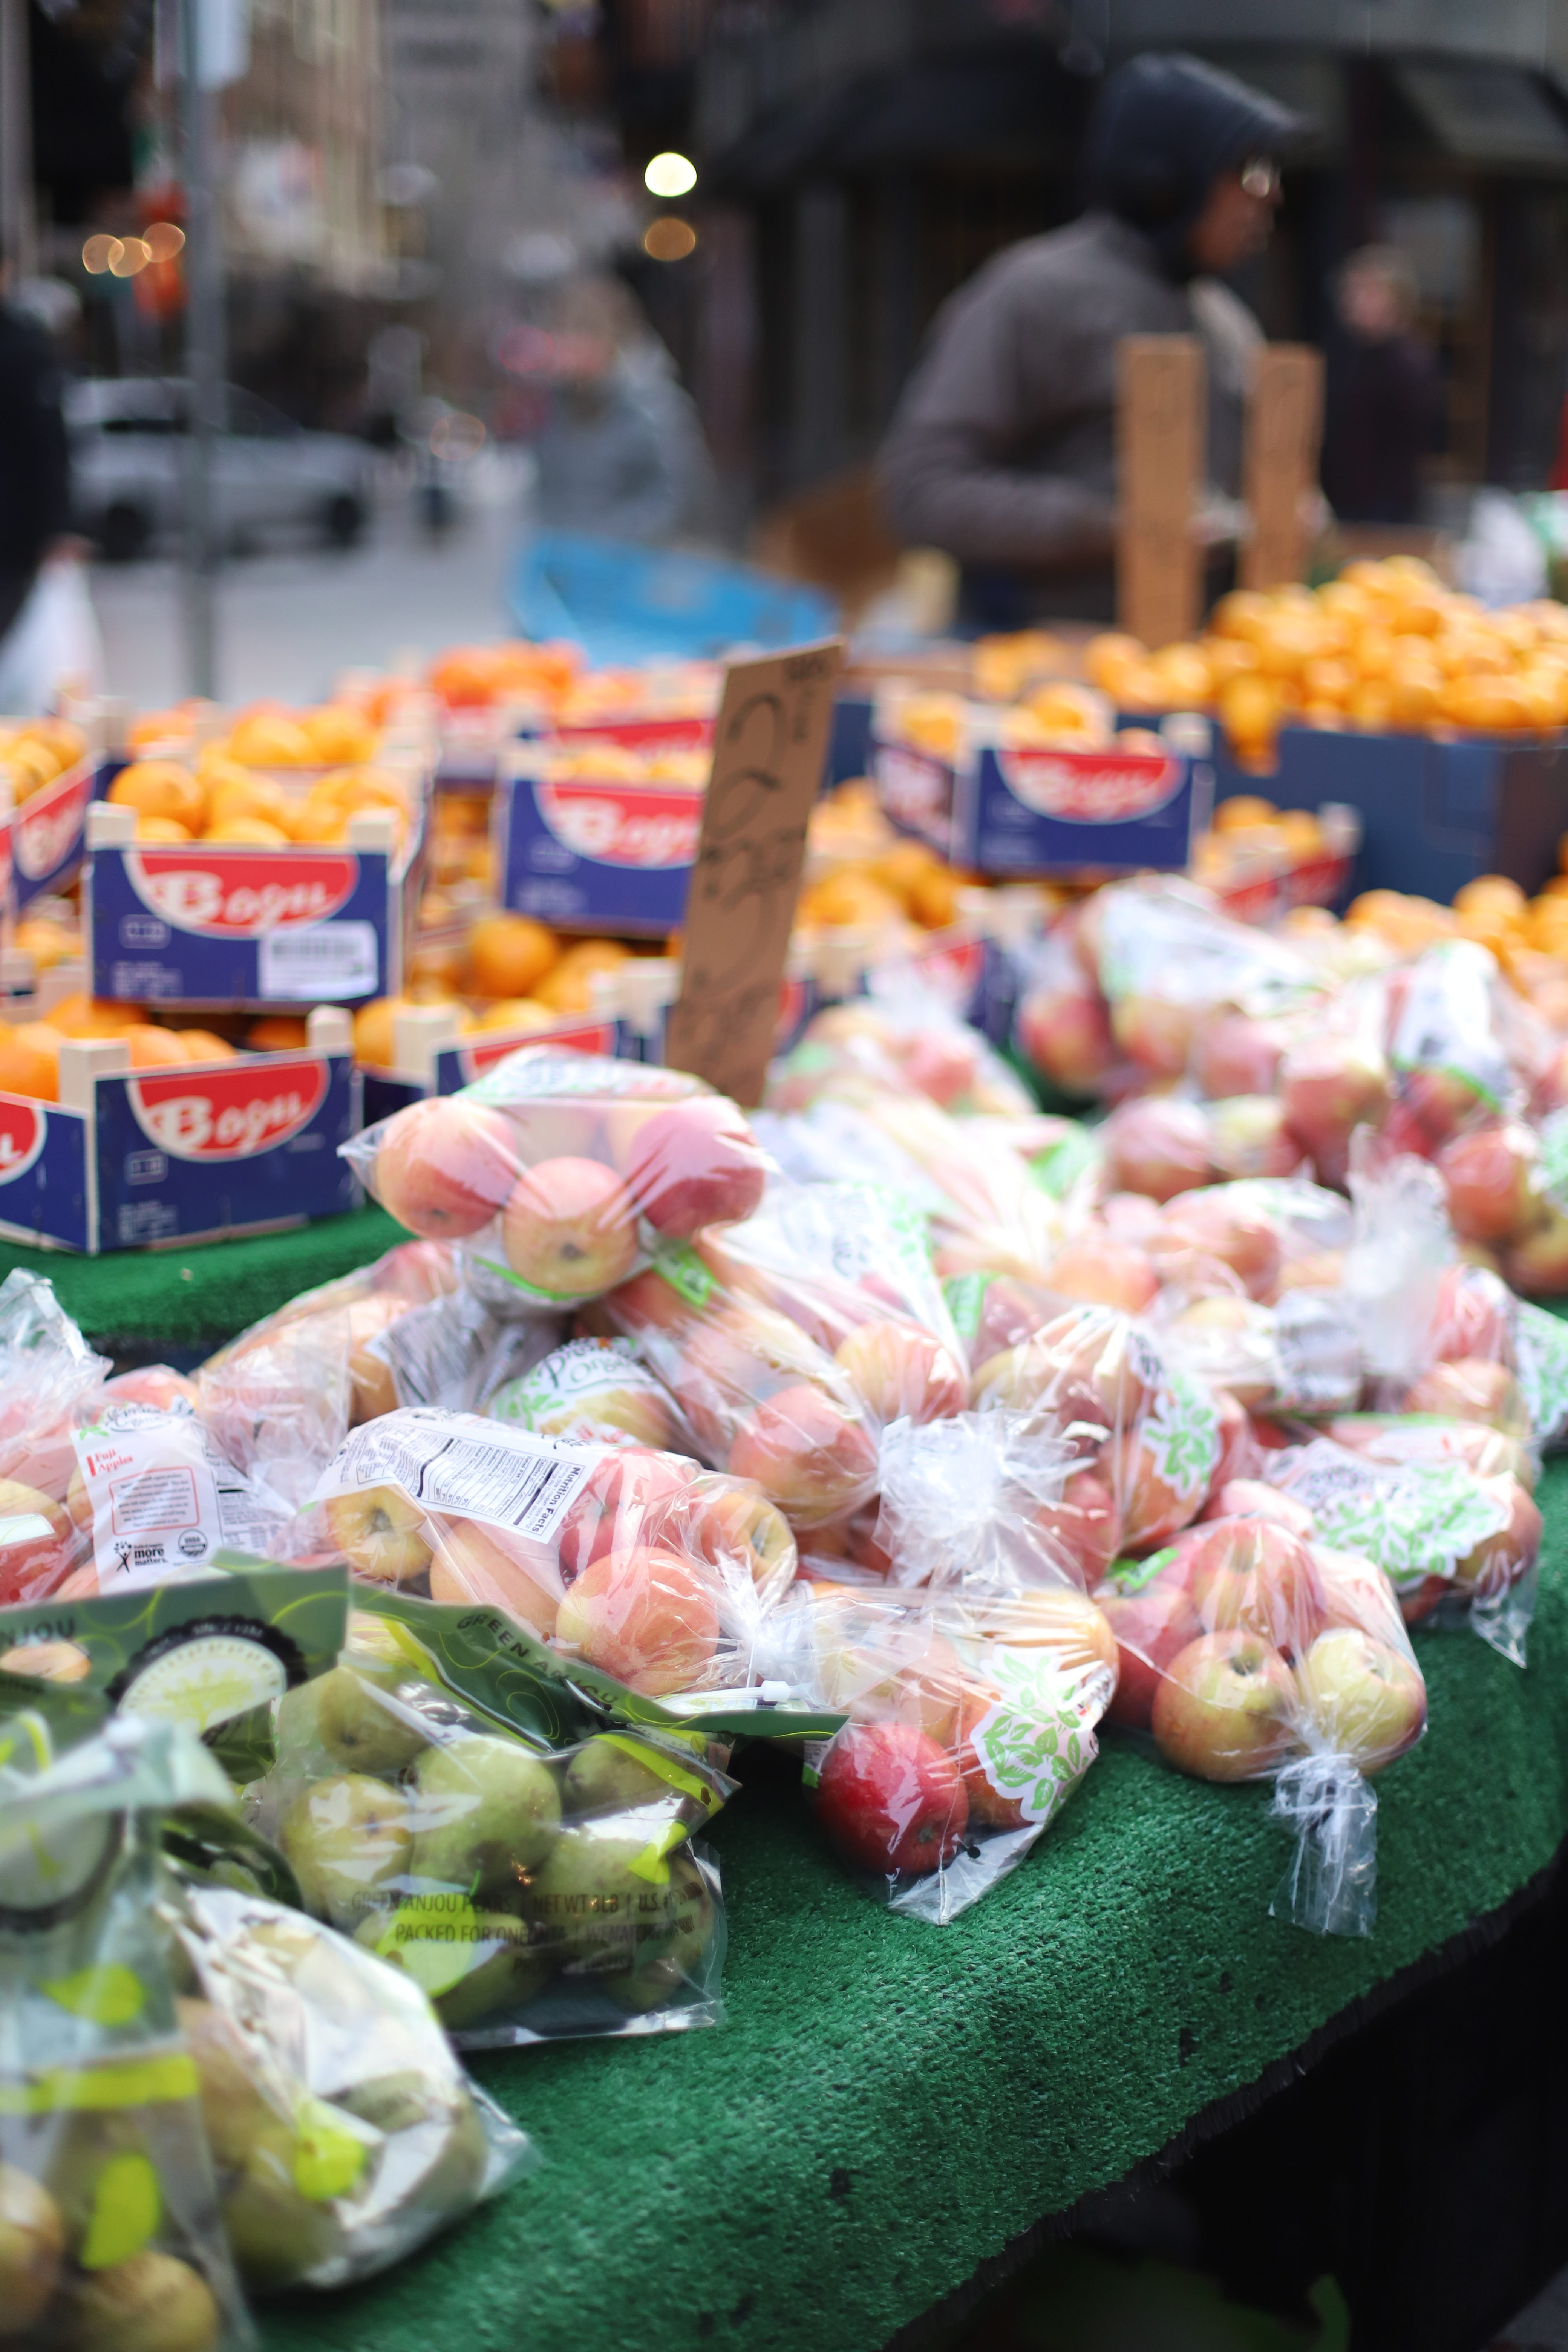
[769,746]
[1284,429]
[1159,464]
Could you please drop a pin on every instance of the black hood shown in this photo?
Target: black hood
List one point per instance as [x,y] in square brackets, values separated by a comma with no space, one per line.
[1162,131]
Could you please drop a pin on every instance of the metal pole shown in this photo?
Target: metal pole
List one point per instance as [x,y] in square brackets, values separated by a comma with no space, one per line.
[18,223]
[204,350]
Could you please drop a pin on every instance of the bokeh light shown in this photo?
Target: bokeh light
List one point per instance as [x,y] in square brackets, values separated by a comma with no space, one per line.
[670,176]
[669,238]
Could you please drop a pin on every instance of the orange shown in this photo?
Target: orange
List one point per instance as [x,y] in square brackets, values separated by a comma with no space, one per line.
[1488,706]
[238,794]
[1291,640]
[161,788]
[1492,890]
[1371,703]
[1415,694]
[1328,680]
[510,1013]
[151,1048]
[1228,657]
[1372,651]
[272,738]
[435,974]
[1301,832]
[85,1017]
[373,1030]
[48,943]
[509,954]
[277,1033]
[1244,809]
[30,1060]
[1243,613]
[1183,673]
[1249,709]
[569,988]
[160,828]
[338,734]
[251,832]
[1545,693]
[204,1045]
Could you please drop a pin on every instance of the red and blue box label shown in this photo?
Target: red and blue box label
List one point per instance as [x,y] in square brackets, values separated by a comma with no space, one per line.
[47,831]
[597,855]
[1006,809]
[241,927]
[176,1155]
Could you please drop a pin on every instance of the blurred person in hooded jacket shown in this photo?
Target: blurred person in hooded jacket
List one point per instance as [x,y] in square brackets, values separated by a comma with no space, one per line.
[1003,451]
[34,462]
[620,451]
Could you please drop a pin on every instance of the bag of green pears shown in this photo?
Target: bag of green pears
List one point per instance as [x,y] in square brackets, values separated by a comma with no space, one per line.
[468,1822]
[110,2234]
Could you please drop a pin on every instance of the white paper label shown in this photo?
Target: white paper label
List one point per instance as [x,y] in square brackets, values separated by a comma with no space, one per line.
[164,1497]
[476,1469]
[434,1352]
[310,962]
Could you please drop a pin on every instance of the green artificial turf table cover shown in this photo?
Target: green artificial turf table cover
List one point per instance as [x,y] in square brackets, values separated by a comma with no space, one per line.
[888,2105]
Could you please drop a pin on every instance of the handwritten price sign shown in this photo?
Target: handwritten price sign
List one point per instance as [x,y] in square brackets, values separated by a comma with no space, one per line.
[768,746]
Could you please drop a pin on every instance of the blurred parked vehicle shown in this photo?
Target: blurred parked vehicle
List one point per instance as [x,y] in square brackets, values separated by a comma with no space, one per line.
[271,476]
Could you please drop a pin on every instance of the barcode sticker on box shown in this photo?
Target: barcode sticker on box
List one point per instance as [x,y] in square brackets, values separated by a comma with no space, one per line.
[459,1463]
[317,961]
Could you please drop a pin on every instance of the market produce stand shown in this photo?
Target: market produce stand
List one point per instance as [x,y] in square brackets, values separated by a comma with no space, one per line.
[890,2106]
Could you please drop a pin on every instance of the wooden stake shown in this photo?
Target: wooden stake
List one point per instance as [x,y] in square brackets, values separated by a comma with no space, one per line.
[1160,458]
[1284,434]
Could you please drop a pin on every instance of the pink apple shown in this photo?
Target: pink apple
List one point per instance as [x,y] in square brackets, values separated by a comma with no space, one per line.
[1236,1054]
[902,1371]
[152,1384]
[1363,1698]
[1260,1576]
[1214,1224]
[1237,1447]
[1065,1034]
[1474,1314]
[1472,1388]
[1439,1101]
[1156,1146]
[1538,1266]
[1329,1086]
[496,1567]
[1226,1706]
[1254,1498]
[891,1801]
[629,1500]
[38,1543]
[1009,1312]
[988,1808]
[1497,1561]
[1490,1176]
[1103,1272]
[1248,1137]
[569,1229]
[807,1452]
[649,1303]
[728,1521]
[444,1167]
[644,1614]
[1153,1507]
[1083,1530]
[1155,1032]
[695,1163]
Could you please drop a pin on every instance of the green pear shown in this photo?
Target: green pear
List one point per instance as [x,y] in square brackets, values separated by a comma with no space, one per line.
[604,1777]
[276,2235]
[233,2109]
[153,2303]
[358,1725]
[486,1964]
[484,1809]
[671,1966]
[596,1900]
[347,1840]
[32,2240]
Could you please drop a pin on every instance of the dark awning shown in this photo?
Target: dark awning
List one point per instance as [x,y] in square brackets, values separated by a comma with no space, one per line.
[1499,118]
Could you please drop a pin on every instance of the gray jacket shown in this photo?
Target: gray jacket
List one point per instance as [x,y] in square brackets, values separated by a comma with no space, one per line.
[1004,447]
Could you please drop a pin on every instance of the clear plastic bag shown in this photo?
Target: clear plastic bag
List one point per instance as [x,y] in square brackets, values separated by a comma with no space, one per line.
[638,1564]
[1250,1653]
[969,1724]
[531,1890]
[1166,959]
[343,2132]
[48,1376]
[157,1498]
[906,1036]
[1144,1436]
[111,2227]
[562,1173]
[592,1392]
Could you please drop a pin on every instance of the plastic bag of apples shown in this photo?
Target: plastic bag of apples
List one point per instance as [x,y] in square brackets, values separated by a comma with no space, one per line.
[971,1721]
[1250,1652]
[638,1565]
[530,1889]
[562,1173]
[106,1483]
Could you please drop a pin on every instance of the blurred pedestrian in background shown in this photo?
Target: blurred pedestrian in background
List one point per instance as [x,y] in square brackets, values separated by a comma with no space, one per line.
[48,638]
[1383,393]
[620,451]
[1003,451]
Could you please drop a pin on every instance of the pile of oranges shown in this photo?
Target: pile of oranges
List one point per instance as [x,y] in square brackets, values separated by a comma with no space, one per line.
[474,677]
[33,751]
[507,972]
[224,793]
[1529,936]
[1385,645]
[30,1051]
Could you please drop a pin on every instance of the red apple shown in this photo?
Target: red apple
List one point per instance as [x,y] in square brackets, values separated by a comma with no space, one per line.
[988,1808]
[1225,1707]
[695,1163]
[1254,1498]
[1009,1312]
[1497,1561]
[808,1456]
[153,1384]
[1248,1137]
[1084,1530]
[1065,1034]
[1151,1621]
[627,1500]
[1474,1314]
[1103,1272]
[1157,1147]
[644,1615]
[1439,1101]
[1236,1054]
[444,1167]
[1538,1266]
[1363,1697]
[569,1229]
[891,1800]
[373,1390]
[1490,1176]
[902,1372]
[1237,1447]
[728,1521]
[1259,1575]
